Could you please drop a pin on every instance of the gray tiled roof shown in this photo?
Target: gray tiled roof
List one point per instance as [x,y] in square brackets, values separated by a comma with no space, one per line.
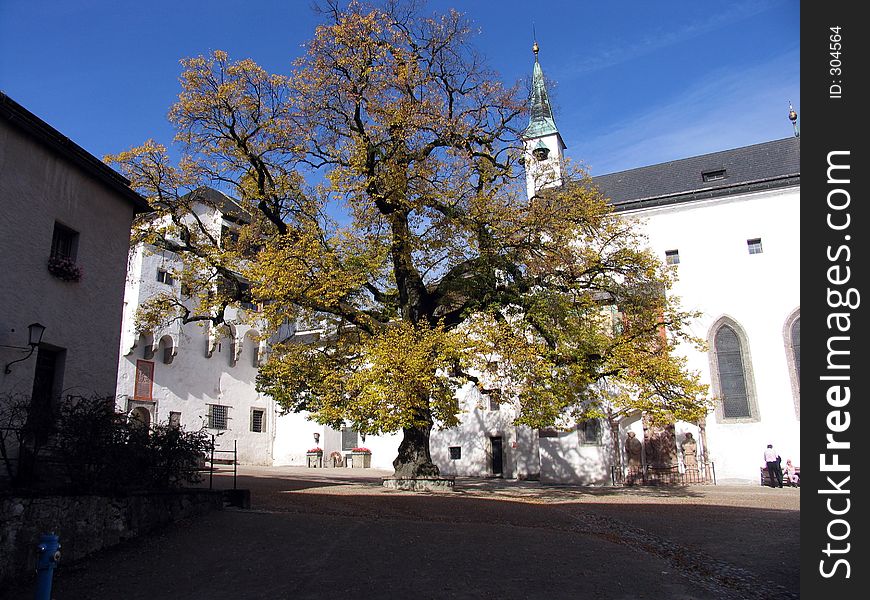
[227,206]
[760,166]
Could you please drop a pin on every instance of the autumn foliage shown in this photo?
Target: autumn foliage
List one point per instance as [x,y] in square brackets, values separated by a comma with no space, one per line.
[385,213]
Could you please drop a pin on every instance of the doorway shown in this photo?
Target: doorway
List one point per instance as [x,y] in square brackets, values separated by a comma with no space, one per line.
[497,455]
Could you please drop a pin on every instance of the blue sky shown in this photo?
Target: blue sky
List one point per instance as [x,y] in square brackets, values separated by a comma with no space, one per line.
[633,83]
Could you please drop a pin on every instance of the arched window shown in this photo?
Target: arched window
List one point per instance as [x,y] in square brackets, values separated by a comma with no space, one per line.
[732,377]
[796,348]
[732,372]
[791,334]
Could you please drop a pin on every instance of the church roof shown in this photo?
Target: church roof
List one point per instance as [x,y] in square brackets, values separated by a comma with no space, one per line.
[541,121]
[751,168]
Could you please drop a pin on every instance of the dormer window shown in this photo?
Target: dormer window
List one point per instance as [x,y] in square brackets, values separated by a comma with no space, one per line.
[713,175]
[541,152]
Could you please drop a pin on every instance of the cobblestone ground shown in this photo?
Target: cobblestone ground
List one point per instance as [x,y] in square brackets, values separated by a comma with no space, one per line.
[338,533]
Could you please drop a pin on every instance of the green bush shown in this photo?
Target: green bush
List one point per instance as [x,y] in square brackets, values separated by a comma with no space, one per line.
[93,448]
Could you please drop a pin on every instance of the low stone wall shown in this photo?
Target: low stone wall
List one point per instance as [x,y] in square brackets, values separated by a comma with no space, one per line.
[86,523]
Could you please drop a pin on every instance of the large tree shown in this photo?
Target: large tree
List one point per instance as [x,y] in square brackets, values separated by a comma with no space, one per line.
[382,182]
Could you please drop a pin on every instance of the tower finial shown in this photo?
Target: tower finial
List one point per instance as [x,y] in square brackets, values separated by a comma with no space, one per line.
[793,117]
[535,40]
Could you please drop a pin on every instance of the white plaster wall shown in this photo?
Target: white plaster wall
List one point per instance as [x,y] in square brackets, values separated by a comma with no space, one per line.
[193,380]
[296,436]
[37,188]
[565,460]
[718,276]
[477,425]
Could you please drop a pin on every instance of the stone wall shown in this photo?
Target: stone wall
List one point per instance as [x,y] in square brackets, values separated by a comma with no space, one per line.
[86,523]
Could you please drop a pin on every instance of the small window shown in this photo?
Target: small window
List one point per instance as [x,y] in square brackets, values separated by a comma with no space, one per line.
[713,175]
[548,432]
[754,246]
[672,257]
[64,242]
[590,431]
[257,420]
[455,452]
[175,420]
[217,416]
[246,298]
[163,276]
[229,237]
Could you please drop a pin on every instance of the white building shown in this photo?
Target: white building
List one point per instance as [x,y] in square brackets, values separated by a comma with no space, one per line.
[197,375]
[729,221]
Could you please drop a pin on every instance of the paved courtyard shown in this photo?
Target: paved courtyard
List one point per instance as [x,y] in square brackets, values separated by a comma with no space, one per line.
[338,533]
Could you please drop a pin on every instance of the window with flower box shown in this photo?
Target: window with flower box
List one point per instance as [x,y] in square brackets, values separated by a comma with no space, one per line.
[64,247]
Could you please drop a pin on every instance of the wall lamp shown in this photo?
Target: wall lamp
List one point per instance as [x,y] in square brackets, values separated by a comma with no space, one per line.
[35,331]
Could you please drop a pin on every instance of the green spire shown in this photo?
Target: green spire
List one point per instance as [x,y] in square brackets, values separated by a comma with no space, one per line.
[541,120]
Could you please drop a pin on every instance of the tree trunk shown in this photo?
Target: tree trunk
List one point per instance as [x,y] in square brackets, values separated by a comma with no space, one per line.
[414,459]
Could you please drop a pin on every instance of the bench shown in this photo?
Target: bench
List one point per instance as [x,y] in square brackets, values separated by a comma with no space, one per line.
[765,477]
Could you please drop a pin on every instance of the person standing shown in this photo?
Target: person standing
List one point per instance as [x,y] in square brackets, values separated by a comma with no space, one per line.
[774,470]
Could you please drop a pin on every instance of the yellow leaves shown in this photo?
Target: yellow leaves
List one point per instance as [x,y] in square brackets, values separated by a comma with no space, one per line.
[393,379]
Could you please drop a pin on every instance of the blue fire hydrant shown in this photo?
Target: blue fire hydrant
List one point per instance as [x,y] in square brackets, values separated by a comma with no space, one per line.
[47,557]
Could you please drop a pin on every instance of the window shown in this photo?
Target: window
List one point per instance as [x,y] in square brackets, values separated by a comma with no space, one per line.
[796,347]
[713,175]
[590,431]
[792,337]
[175,420]
[455,452]
[217,416]
[754,245]
[349,438]
[163,276]
[732,375]
[257,415]
[144,380]
[64,242]
[246,298]
[672,257]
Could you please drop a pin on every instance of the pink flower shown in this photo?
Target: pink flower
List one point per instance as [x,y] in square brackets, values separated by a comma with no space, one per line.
[64,268]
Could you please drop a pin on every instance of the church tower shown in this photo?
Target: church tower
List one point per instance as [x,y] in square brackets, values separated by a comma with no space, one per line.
[541,140]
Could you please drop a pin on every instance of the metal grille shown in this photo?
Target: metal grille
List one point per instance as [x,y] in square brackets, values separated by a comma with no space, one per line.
[217,416]
[257,421]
